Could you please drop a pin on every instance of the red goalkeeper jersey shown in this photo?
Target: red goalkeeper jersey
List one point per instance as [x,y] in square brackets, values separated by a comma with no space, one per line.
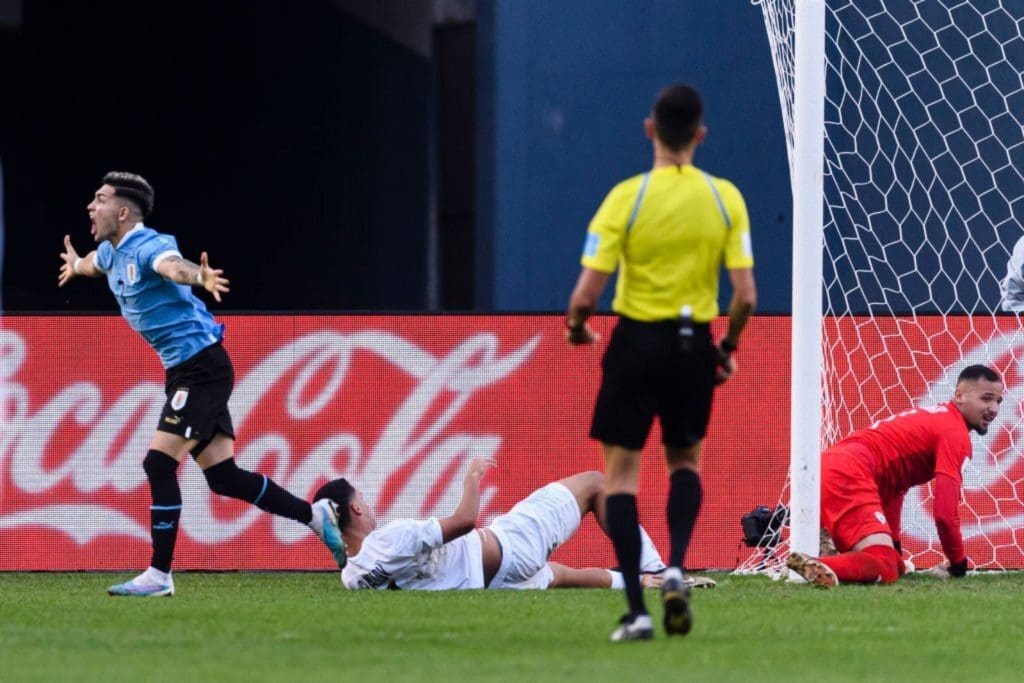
[913,448]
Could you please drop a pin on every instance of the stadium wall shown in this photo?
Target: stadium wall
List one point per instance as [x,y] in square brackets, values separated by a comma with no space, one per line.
[560,122]
[280,137]
[398,403]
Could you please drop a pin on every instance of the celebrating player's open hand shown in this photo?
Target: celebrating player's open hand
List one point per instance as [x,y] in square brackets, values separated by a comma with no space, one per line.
[212,279]
[67,269]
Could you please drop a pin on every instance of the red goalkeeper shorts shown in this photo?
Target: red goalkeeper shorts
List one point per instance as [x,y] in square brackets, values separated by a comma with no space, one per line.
[851,506]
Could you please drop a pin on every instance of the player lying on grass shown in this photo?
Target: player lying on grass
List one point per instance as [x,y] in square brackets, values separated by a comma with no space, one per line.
[865,476]
[453,553]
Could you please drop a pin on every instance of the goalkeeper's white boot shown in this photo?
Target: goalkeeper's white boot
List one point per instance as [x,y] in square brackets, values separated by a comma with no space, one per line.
[325,524]
[633,627]
[151,583]
[814,571]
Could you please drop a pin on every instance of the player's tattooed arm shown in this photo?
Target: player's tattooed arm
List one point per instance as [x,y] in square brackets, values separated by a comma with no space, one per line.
[180,270]
[184,272]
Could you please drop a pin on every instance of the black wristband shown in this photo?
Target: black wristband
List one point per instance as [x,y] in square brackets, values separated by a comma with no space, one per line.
[576,328]
[896,544]
[958,570]
[728,346]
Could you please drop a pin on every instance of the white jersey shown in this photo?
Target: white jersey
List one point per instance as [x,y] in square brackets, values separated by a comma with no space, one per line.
[410,554]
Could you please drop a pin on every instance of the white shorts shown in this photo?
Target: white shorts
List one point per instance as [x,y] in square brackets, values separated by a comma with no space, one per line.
[530,532]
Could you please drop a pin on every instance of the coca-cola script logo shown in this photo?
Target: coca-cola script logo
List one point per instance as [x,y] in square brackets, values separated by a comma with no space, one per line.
[72,459]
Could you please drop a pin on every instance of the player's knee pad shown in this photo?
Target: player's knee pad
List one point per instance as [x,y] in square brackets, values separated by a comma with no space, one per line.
[158,465]
[888,559]
[227,479]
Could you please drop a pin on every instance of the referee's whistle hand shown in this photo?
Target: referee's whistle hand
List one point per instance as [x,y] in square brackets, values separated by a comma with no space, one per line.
[578,336]
[726,368]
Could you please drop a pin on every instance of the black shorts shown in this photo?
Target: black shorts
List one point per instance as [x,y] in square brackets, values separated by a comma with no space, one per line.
[197,396]
[646,373]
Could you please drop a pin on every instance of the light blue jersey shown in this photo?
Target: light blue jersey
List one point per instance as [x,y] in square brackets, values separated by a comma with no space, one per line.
[167,315]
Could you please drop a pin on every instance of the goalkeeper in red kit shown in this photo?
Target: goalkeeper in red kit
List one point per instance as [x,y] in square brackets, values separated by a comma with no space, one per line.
[865,476]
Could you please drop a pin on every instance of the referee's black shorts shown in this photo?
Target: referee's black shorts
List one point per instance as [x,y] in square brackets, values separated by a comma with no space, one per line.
[197,396]
[646,373]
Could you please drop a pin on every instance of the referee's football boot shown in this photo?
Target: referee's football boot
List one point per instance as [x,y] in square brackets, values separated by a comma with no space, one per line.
[814,571]
[675,596]
[633,627]
[145,585]
[325,524]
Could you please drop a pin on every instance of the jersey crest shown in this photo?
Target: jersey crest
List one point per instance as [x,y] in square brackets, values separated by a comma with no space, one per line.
[179,399]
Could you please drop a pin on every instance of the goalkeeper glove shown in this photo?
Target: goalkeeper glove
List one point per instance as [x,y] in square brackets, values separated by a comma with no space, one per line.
[958,569]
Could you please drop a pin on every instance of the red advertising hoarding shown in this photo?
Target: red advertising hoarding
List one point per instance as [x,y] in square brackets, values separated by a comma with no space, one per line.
[396,404]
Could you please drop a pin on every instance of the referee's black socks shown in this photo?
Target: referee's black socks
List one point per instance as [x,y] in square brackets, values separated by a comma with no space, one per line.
[228,479]
[684,498]
[624,530]
[165,512]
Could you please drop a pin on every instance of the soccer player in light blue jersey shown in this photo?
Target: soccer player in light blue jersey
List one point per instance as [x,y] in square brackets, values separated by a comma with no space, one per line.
[153,285]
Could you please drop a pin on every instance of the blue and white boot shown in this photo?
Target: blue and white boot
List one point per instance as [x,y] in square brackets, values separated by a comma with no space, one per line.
[325,524]
[151,583]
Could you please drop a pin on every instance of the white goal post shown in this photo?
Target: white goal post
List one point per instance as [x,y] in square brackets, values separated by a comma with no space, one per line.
[904,122]
[807,163]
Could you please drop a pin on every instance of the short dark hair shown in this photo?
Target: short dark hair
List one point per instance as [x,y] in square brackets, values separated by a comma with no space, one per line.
[677,115]
[133,187]
[340,491]
[973,372]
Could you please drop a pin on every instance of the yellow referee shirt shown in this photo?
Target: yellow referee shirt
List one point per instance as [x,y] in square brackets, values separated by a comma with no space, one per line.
[671,230]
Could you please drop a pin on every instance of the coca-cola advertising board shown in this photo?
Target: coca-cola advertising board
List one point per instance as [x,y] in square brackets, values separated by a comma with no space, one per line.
[395,403]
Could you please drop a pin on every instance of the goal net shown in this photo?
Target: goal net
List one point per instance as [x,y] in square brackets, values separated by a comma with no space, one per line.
[921,204]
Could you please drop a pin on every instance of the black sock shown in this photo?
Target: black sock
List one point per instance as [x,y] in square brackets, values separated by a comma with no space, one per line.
[684,499]
[162,473]
[227,479]
[624,530]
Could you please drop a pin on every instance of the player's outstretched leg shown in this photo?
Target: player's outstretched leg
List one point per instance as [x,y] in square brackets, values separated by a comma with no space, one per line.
[227,479]
[814,571]
[675,597]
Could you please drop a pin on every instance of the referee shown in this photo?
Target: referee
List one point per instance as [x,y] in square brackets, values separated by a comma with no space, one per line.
[670,230]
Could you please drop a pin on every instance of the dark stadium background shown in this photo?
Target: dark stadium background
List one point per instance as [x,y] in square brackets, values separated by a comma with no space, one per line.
[354,155]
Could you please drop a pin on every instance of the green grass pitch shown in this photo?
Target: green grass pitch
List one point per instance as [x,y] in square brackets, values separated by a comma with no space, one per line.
[305,627]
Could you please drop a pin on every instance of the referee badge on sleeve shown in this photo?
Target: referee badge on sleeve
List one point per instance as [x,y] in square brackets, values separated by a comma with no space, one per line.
[179,399]
[591,245]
